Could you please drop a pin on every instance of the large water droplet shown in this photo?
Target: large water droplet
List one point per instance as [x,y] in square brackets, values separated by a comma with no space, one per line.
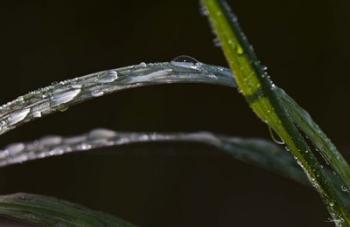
[185,61]
[108,76]
[143,65]
[275,138]
[64,97]
[18,116]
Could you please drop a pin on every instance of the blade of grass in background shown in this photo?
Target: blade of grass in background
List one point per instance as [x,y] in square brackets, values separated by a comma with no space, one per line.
[260,92]
[48,211]
[257,152]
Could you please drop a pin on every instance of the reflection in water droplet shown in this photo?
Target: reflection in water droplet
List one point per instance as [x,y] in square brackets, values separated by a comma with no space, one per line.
[108,76]
[18,116]
[64,97]
[275,138]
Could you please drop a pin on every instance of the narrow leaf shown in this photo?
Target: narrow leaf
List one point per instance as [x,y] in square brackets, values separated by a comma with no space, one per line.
[48,211]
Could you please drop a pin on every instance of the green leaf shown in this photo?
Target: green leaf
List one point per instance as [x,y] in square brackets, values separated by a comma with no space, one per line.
[48,211]
[264,99]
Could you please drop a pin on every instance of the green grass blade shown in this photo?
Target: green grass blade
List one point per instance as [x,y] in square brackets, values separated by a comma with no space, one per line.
[325,146]
[48,211]
[256,86]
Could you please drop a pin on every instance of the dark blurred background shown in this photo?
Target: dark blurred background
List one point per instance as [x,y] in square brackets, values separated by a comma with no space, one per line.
[305,45]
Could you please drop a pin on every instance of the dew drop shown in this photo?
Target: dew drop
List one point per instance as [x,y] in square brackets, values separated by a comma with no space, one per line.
[84,146]
[108,76]
[15,148]
[101,133]
[143,65]
[77,86]
[185,62]
[217,42]
[37,114]
[18,116]
[239,50]
[344,188]
[275,138]
[97,93]
[59,99]
[50,140]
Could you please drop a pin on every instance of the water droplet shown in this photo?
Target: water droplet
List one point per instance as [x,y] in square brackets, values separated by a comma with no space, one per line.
[344,188]
[275,138]
[84,146]
[18,116]
[15,148]
[185,62]
[74,140]
[61,98]
[77,86]
[97,93]
[217,42]
[203,9]
[239,49]
[37,114]
[50,140]
[143,65]
[63,108]
[108,76]
[185,58]
[102,133]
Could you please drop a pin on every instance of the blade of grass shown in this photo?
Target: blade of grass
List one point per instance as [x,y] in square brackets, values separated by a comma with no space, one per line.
[64,94]
[48,211]
[257,152]
[259,91]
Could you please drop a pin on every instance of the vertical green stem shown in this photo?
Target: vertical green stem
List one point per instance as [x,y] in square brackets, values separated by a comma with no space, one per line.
[259,91]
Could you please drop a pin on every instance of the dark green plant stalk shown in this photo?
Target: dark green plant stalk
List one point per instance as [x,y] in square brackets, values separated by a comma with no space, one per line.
[260,92]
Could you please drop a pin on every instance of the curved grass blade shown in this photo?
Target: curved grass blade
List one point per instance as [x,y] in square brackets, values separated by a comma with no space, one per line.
[260,92]
[64,94]
[48,211]
[254,151]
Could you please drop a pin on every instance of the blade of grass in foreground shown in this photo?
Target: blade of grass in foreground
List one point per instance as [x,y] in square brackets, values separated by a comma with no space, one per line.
[260,92]
[48,211]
